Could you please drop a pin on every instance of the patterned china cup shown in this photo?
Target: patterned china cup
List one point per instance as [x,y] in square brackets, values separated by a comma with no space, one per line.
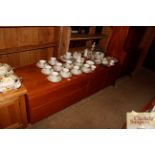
[52,60]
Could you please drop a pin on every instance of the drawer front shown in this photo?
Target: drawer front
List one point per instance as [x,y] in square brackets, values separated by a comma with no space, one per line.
[51,107]
[54,94]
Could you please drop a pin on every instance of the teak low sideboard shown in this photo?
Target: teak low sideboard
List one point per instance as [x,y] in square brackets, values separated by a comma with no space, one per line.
[45,98]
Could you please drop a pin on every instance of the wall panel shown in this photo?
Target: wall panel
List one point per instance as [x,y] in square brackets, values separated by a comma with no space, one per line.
[19,45]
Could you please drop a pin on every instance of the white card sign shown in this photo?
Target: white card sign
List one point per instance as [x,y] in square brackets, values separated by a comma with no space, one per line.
[143,120]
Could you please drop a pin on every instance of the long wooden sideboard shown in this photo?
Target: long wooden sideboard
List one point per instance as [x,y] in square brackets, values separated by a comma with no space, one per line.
[45,98]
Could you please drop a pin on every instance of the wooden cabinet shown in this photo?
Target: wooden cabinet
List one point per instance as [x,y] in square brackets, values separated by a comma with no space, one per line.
[13,109]
[45,98]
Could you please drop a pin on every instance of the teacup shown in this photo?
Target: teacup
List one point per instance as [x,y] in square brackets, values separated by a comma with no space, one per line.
[52,61]
[105,61]
[93,67]
[98,61]
[54,77]
[47,69]
[58,67]
[68,55]
[77,55]
[69,64]
[76,70]
[99,55]
[90,62]
[41,63]
[65,73]
[111,62]
[86,68]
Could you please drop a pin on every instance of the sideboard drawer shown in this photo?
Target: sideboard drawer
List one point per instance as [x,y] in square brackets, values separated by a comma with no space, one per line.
[56,93]
[47,108]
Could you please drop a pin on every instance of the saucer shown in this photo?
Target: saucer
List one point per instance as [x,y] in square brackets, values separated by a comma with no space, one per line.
[90,62]
[44,71]
[52,63]
[76,72]
[65,76]
[58,79]
[40,65]
[64,59]
[86,71]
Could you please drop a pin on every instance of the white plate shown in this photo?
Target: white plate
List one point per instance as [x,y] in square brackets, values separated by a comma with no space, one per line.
[45,72]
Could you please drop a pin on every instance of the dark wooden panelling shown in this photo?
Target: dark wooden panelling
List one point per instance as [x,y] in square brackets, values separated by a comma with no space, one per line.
[21,46]
[27,57]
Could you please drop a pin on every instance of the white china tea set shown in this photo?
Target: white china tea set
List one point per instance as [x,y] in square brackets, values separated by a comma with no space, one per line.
[74,63]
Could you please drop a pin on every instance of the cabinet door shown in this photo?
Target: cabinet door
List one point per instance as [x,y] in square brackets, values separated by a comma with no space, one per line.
[10,114]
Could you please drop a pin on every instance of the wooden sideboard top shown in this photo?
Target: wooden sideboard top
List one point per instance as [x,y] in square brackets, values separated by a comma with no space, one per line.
[36,82]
